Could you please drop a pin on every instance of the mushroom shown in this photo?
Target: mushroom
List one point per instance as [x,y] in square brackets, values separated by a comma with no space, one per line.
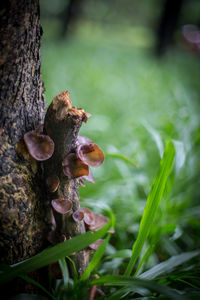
[78,215]
[88,152]
[52,183]
[62,206]
[74,167]
[40,146]
[88,215]
[77,164]
[99,222]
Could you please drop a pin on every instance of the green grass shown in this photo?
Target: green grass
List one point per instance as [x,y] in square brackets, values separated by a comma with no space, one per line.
[138,103]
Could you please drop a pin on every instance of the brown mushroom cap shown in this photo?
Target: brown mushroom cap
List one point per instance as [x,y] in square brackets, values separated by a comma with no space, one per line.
[90,154]
[74,167]
[99,222]
[40,146]
[78,215]
[52,183]
[88,215]
[62,206]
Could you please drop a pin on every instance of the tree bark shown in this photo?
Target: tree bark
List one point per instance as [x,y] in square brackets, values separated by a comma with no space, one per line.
[69,15]
[24,220]
[167,25]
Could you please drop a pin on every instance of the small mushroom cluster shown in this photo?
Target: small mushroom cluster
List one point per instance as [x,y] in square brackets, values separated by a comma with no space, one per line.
[87,154]
[75,165]
[93,221]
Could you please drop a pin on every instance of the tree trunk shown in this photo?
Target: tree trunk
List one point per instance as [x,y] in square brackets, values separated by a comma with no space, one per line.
[167,25]
[70,15]
[25,207]
[23,220]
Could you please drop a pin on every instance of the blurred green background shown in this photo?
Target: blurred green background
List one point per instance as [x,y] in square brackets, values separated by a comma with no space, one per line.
[138,100]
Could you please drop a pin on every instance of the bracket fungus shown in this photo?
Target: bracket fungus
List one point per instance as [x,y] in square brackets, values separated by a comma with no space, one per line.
[40,146]
[74,167]
[89,152]
[52,183]
[78,215]
[93,220]
[62,206]
[88,216]
[99,222]
[77,164]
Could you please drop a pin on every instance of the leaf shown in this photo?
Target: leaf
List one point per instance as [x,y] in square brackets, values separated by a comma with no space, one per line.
[74,268]
[132,283]
[122,157]
[125,253]
[64,270]
[53,254]
[152,204]
[180,155]
[95,258]
[168,265]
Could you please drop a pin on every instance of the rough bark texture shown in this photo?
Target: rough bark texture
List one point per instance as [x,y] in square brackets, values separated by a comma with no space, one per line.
[62,123]
[23,220]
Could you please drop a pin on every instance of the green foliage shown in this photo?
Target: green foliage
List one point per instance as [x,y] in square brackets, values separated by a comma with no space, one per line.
[53,254]
[152,204]
[95,259]
[138,103]
[133,284]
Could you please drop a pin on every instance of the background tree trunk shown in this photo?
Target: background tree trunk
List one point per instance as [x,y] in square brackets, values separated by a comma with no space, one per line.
[23,220]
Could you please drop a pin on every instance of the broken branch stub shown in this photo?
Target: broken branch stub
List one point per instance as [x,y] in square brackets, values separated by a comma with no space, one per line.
[62,124]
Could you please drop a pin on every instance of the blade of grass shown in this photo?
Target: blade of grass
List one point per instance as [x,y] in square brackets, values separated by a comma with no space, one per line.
[95,258]
[64,270]
[144,259]
[125,253]
[169,265]
[132,283]
[122,157]
[54,253]
[152,204]
[74,268]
